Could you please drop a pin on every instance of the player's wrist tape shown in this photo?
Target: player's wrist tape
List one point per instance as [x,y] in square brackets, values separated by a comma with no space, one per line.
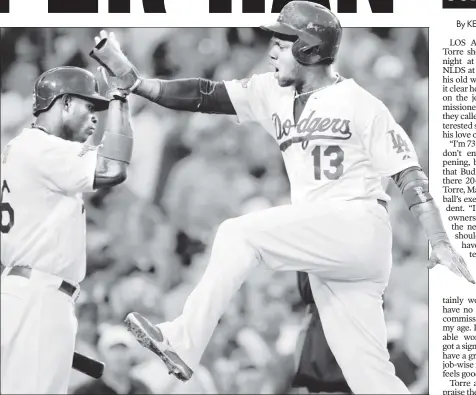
[116,147]
[415,189]
[431,222]
[135,85]
[151,89]
[430,219]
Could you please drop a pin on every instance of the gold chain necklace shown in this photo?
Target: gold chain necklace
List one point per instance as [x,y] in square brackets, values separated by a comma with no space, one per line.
[296,95]
[35,126]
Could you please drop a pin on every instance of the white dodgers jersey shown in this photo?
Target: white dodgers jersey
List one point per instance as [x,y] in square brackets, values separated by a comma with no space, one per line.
[43,223]
[344,143]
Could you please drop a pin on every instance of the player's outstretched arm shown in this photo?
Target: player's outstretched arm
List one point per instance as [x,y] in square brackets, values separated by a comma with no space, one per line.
[414,186]
[190,94]
[115,151]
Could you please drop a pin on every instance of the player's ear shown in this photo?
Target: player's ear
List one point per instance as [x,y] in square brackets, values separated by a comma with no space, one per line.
[66,101]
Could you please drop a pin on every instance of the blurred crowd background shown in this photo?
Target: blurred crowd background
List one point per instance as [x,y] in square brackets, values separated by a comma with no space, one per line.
[149,239]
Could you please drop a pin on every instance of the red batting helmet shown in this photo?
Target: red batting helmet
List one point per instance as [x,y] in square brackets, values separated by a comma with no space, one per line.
[64,80]
[318,30]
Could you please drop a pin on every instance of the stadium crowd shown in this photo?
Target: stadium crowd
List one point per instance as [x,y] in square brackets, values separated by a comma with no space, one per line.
[149,239]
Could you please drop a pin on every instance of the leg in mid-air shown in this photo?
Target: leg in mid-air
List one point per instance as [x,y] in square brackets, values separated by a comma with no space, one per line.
[338,143]
[305,238]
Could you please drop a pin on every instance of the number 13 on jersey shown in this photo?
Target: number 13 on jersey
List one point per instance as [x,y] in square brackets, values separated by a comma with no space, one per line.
[335,157]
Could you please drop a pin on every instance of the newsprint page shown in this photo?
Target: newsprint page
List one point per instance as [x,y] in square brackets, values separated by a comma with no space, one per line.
[238,197]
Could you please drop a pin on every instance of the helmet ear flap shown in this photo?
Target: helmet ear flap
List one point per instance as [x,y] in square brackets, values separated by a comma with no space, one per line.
[306,54]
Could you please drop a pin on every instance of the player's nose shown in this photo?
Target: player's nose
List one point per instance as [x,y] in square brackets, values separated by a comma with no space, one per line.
[272,53]
[94,118]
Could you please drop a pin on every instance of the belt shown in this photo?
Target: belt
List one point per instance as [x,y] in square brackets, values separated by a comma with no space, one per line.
[22,271]
[383,203]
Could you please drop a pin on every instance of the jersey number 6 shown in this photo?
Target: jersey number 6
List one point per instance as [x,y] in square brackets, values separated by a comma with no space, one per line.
[335,163]
[6,208]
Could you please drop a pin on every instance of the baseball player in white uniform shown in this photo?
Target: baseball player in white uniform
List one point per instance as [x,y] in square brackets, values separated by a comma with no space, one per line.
[338,143]
[45,170]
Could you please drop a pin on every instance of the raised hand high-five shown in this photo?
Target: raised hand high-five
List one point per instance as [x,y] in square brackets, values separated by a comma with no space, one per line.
[108,53]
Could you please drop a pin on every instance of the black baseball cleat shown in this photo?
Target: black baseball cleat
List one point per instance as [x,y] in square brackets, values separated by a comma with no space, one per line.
[149,336]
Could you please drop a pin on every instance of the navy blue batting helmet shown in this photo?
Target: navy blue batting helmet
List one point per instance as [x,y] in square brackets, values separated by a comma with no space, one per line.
[317,29]
[64,80]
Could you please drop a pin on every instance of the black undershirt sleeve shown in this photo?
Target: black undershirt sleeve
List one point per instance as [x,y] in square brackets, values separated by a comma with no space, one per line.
[189,94]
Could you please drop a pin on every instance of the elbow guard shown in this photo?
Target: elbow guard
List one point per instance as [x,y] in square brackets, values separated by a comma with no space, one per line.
[414,186]
[118,142]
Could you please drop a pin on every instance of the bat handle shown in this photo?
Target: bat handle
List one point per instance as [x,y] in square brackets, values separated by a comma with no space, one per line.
[88,366]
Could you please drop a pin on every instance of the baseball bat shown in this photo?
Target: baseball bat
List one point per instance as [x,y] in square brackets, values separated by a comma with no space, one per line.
[87,365]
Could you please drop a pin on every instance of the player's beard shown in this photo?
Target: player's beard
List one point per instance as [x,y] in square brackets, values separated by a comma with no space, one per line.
[68,133]
[290,78]
[71,134]
[285,80]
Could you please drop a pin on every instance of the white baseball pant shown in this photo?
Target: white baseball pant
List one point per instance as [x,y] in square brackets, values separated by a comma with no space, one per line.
[346,248]
[38,332]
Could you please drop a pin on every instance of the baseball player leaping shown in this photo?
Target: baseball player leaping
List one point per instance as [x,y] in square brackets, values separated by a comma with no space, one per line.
[45,169]
[338,142]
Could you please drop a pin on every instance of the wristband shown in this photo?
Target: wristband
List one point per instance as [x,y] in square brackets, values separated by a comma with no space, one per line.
[135,85]
[116,94]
